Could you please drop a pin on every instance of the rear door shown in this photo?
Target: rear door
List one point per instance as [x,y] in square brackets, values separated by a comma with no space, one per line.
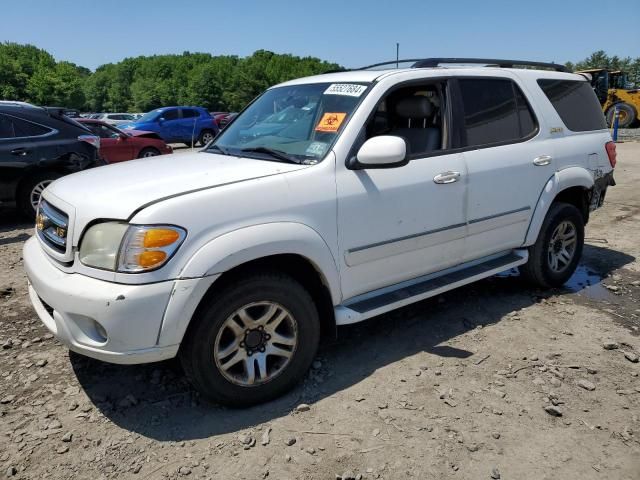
[19,149]
[507,164]
[188,124]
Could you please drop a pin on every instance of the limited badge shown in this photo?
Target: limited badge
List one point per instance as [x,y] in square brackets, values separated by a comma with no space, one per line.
[330,122]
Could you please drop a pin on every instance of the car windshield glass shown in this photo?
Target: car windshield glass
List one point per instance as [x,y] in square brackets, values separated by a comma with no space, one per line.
[298,122]
[149,116]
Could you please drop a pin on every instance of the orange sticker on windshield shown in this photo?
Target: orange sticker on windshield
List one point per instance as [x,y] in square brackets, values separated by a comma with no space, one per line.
[330,122]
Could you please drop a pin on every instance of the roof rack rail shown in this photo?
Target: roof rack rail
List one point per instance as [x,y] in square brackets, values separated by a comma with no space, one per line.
[502,63]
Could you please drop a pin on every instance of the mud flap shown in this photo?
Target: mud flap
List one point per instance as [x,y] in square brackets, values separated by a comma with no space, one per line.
[599,190]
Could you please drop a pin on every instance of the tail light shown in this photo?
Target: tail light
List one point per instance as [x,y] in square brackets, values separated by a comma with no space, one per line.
[91,140]
[611,153]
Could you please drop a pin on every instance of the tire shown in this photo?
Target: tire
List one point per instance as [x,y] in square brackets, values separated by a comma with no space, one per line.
[29,192]
[212,342]
[627,115]
[562,220]
[206,136]
[148,152]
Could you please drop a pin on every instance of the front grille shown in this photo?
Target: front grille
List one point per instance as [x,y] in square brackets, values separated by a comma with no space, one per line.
[52,226]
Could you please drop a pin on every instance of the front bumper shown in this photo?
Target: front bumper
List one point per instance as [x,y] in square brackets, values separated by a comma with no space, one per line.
[111,322]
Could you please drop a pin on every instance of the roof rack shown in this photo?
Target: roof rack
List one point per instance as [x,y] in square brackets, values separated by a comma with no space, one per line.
[494,62]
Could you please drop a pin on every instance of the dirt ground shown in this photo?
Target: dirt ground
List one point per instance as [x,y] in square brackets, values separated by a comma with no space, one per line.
[464,386]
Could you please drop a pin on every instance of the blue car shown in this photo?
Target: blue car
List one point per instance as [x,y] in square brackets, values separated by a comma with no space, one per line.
[190,125]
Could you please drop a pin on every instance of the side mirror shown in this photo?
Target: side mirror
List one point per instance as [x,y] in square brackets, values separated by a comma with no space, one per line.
[122,137]
[161,120]
[384,151]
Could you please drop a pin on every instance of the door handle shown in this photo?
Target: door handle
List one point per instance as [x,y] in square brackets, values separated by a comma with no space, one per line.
[19,151]
[447,177]
[542,160]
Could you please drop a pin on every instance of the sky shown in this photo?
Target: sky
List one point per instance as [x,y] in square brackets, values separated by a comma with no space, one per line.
[349,32]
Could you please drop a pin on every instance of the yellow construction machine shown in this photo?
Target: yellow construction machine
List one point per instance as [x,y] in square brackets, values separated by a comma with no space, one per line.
[612,90]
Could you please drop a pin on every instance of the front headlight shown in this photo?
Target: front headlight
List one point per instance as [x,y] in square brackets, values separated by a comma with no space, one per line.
[129,248]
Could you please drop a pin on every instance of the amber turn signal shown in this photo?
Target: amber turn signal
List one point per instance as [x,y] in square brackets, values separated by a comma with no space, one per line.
[159,237]
[151,258]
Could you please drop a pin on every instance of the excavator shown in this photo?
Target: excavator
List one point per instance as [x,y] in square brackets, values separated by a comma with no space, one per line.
[612,90]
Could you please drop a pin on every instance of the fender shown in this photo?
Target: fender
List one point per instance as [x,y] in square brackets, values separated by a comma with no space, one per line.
[559,181]
[233,249]
[251,243]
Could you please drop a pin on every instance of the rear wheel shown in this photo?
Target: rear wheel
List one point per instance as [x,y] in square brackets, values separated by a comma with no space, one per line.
[30,191]
[627,114]
[254,341]
[148,152]
[206,136]
[557,251]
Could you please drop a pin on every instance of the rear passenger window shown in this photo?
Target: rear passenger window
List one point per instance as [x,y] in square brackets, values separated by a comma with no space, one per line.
[576,103]
[189,113]
[13,127]
[495,111]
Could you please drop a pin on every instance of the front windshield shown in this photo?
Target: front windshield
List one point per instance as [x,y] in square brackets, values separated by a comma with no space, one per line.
[149,116]
[299,121]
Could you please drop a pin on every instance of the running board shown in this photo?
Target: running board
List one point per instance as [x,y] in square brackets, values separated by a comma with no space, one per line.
[390,298]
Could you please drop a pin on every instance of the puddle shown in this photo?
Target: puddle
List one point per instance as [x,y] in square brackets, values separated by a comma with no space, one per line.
[587,283]
[584,282]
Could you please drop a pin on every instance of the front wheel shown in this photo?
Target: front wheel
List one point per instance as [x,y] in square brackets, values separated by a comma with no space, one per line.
[148,152]
[253,342]
[557,251]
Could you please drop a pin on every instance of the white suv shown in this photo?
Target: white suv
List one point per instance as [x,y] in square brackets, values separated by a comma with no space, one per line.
[327,201]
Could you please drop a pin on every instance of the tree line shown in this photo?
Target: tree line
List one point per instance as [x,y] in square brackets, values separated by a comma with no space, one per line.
[140,84]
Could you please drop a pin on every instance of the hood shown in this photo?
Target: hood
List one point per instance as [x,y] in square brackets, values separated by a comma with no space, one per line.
[116,191]
[143,133]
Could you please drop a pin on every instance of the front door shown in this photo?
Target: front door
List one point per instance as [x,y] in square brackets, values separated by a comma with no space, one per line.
[113,147]
[400,223]
[170,125]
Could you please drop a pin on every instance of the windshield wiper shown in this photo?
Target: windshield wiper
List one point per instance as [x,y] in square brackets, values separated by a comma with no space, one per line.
[219,149]
[279,154]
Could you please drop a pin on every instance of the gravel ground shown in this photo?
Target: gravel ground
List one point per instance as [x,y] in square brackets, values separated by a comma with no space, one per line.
[629,134]
[494,380]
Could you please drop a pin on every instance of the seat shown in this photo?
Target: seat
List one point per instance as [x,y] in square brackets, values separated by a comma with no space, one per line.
[420,137]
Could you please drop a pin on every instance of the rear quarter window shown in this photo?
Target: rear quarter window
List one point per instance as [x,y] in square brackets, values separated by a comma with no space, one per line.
[576,104]
[13,127]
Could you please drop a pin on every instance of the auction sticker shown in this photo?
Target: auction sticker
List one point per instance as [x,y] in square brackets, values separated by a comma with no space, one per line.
[330,122]
[349,89]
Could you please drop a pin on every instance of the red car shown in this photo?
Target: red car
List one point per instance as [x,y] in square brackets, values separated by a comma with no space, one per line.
[117,145]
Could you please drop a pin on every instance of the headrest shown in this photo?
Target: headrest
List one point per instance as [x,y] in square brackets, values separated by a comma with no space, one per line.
[414,107]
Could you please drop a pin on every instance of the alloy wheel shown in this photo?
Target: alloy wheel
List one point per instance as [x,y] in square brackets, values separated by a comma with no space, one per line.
[36,192]
[207,137]
[562,246]
[256,343]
